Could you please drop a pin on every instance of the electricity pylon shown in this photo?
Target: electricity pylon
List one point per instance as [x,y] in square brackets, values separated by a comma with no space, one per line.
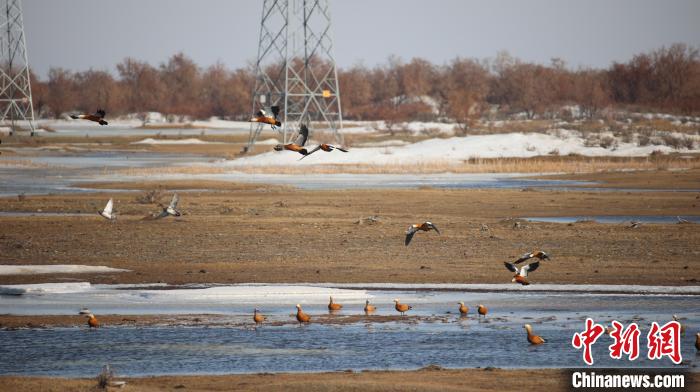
[295,67]
[15,87]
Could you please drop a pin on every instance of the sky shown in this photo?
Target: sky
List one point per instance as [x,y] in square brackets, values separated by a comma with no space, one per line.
[98,34]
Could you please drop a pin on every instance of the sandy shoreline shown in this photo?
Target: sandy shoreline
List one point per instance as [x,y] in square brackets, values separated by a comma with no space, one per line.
[427,379]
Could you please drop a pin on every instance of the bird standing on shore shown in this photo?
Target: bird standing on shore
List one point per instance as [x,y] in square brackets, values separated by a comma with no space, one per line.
[521,273]
[369,308]
[324,147]
[262,117]
[98,117]
[678,320]
[170,209]
[92,321]
[532,338]
[332,306]
[527,256]
[301,316]
[107,213]
[257,317]
[482,310]
[413,229]
[402,308]
[463,309]
[298,145]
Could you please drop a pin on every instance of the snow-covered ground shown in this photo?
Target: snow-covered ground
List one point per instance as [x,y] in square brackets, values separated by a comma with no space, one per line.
[55,269]
[458,149]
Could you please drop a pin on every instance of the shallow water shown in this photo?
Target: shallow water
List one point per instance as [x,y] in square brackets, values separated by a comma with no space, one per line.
[615,218]
[439,338]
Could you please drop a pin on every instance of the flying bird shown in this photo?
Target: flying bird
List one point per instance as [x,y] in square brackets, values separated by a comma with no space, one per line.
[298,145]
[257,317]
[482,310]
[369,308]
[402,308]
[108,212]
[334,306]
[532,338]
[170,209]
[324,147]
[527,256]
[262,117]
[98,117]
[521,273]
[413,229]
[301,316]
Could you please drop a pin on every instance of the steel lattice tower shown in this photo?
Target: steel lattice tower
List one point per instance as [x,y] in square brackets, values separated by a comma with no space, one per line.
[15,87]
[295,67]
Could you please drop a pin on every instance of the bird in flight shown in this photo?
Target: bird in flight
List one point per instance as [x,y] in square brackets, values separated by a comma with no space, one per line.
[262,117]
[324,147]
[413,229]
[298,145]
[537,254]
[108,212]
[98,117]
[521,273]
[171,209]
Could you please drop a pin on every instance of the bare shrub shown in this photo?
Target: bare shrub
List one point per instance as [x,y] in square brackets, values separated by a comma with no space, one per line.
[608,142]
[672,141]
[643,140]
[150,197]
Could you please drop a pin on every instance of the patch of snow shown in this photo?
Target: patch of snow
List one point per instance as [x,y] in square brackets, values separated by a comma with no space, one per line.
[456,150]
[55,269]
[268,142]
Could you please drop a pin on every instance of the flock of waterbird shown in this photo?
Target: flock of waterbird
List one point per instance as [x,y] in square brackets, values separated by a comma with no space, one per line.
[298,146]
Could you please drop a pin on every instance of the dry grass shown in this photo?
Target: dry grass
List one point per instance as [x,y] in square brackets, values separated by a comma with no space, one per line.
[543,164]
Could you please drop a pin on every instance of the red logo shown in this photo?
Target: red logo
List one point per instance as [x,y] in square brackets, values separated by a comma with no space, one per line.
[626,341]
[586,339]
[665,341]
[662,341]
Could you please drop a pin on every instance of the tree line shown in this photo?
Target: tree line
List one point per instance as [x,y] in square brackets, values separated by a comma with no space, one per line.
[463,90]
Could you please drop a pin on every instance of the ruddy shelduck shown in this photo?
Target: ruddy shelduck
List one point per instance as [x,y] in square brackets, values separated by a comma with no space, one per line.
[536,254]
[98,117]
[298,145]
[332,306]
[678,320]
[324,147]
[257,317]
[402,308]
[92,321]
[532,338]
[521,273]
[262,117]
[171,209]
[413,229]
[463,309]
[482,310]
[301,316]
[369,308]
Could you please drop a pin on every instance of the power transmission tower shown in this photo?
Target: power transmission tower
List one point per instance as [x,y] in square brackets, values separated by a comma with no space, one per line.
[15,87]
[295,67]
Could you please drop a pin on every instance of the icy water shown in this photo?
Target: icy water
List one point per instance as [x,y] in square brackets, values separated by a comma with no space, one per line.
[615,218]
[439,337]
